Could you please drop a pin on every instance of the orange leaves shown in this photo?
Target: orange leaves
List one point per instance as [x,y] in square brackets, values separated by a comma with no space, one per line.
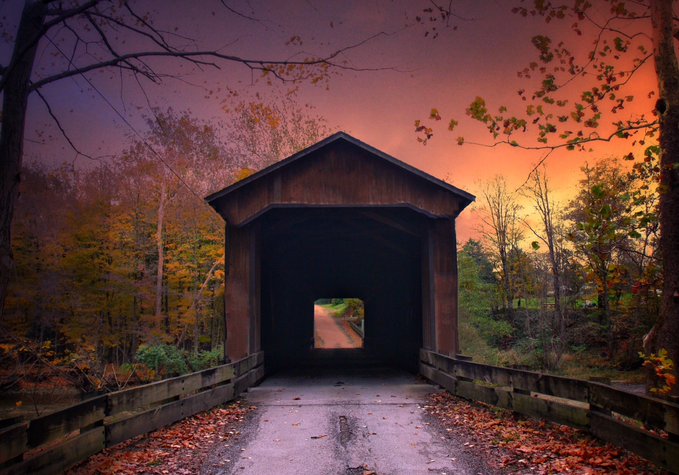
[663,369]
[427,132]
[519,445]
[177,449]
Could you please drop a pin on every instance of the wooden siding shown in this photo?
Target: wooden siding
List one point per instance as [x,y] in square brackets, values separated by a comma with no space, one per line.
[340,175]
[444,285]
[241,292]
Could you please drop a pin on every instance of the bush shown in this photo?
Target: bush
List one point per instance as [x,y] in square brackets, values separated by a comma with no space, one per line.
[474,345]
[497,333]
[165,360]
[206,359]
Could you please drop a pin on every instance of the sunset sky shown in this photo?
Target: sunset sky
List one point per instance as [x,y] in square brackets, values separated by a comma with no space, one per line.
[404,75]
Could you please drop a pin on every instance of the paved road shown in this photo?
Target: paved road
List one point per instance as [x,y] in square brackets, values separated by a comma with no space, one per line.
[344,423]
[333,332]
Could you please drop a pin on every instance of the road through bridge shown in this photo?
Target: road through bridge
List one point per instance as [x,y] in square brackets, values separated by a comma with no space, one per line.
[345,422]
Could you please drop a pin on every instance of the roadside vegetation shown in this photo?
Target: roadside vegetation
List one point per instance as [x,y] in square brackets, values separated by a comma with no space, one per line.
[571,288]
[120,265]
[346,308]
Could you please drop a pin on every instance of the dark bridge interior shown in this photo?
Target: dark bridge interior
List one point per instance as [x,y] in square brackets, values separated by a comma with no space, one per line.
[373,254]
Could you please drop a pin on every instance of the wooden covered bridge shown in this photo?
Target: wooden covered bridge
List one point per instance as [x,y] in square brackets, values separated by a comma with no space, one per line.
[341,219]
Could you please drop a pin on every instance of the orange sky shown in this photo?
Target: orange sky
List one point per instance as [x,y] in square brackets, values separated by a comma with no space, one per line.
[378,107]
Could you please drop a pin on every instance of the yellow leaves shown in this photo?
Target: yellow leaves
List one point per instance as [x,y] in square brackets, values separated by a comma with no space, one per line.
[243,173]
[663,371]
[295,40]
[427,132]
[477,110]
[434,114]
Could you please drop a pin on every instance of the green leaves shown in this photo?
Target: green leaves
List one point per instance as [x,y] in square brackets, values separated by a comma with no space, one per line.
[543,45]
[477,110]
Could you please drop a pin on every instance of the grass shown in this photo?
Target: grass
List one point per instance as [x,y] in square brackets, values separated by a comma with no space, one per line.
[337,310]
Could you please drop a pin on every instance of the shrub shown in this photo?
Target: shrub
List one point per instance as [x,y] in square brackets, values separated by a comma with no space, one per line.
[165,360]
[205,359]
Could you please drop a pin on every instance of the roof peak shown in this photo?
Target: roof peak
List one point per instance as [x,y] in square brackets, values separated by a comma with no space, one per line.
[340,135]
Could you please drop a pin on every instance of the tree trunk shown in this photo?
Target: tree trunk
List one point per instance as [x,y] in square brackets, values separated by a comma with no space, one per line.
[15,102]
[668,85]
[603,300]
[507,286]
[160,249]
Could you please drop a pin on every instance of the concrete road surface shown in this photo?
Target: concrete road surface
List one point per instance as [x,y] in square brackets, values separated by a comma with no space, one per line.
[349,422]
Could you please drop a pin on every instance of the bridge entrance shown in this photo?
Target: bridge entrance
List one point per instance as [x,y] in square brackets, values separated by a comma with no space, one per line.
[320,252]
[340,219]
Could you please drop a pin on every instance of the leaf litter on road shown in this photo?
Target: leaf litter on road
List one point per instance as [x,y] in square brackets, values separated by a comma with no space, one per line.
[180,448]
[515,444]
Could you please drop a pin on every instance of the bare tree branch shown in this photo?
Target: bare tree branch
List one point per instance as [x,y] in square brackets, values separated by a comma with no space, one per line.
[254,64]
[594,137]
[61,128]
[240,14]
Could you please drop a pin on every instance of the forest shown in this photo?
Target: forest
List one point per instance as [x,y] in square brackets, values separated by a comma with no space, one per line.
[574,287]
[120,265]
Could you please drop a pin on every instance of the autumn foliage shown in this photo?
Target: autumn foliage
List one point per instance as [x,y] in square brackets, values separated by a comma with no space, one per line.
[514,444]
[182,448]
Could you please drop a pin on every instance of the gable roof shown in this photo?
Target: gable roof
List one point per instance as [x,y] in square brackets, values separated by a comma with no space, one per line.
[465,197]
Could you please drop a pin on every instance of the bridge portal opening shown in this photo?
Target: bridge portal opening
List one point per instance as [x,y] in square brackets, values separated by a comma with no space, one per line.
[339,323]
[312,253]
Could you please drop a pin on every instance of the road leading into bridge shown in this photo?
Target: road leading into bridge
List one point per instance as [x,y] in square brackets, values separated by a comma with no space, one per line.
[349,422]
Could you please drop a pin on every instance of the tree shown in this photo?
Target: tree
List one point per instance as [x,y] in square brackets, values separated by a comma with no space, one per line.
[96,279]
[502,233]
[551,235]
[477,294]
[176,146]
[263,132]
[473,249]
[91,35]
[601,225]
[643,185]
[572,102]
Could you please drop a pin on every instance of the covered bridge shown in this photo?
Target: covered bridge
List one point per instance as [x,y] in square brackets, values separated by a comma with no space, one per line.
[340,219]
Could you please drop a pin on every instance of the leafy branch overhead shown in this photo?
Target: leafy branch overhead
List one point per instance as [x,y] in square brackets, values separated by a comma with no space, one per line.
[589,82]
[573,97]
[102,34]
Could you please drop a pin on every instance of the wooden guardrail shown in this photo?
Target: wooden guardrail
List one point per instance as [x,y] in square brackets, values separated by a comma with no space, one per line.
[54,442]
[644,425]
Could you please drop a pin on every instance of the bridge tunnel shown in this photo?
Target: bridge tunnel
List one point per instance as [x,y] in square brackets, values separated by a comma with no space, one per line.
[371,254]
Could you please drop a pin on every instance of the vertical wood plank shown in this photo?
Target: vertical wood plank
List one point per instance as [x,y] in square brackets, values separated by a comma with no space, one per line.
[445,285]
[237,292]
